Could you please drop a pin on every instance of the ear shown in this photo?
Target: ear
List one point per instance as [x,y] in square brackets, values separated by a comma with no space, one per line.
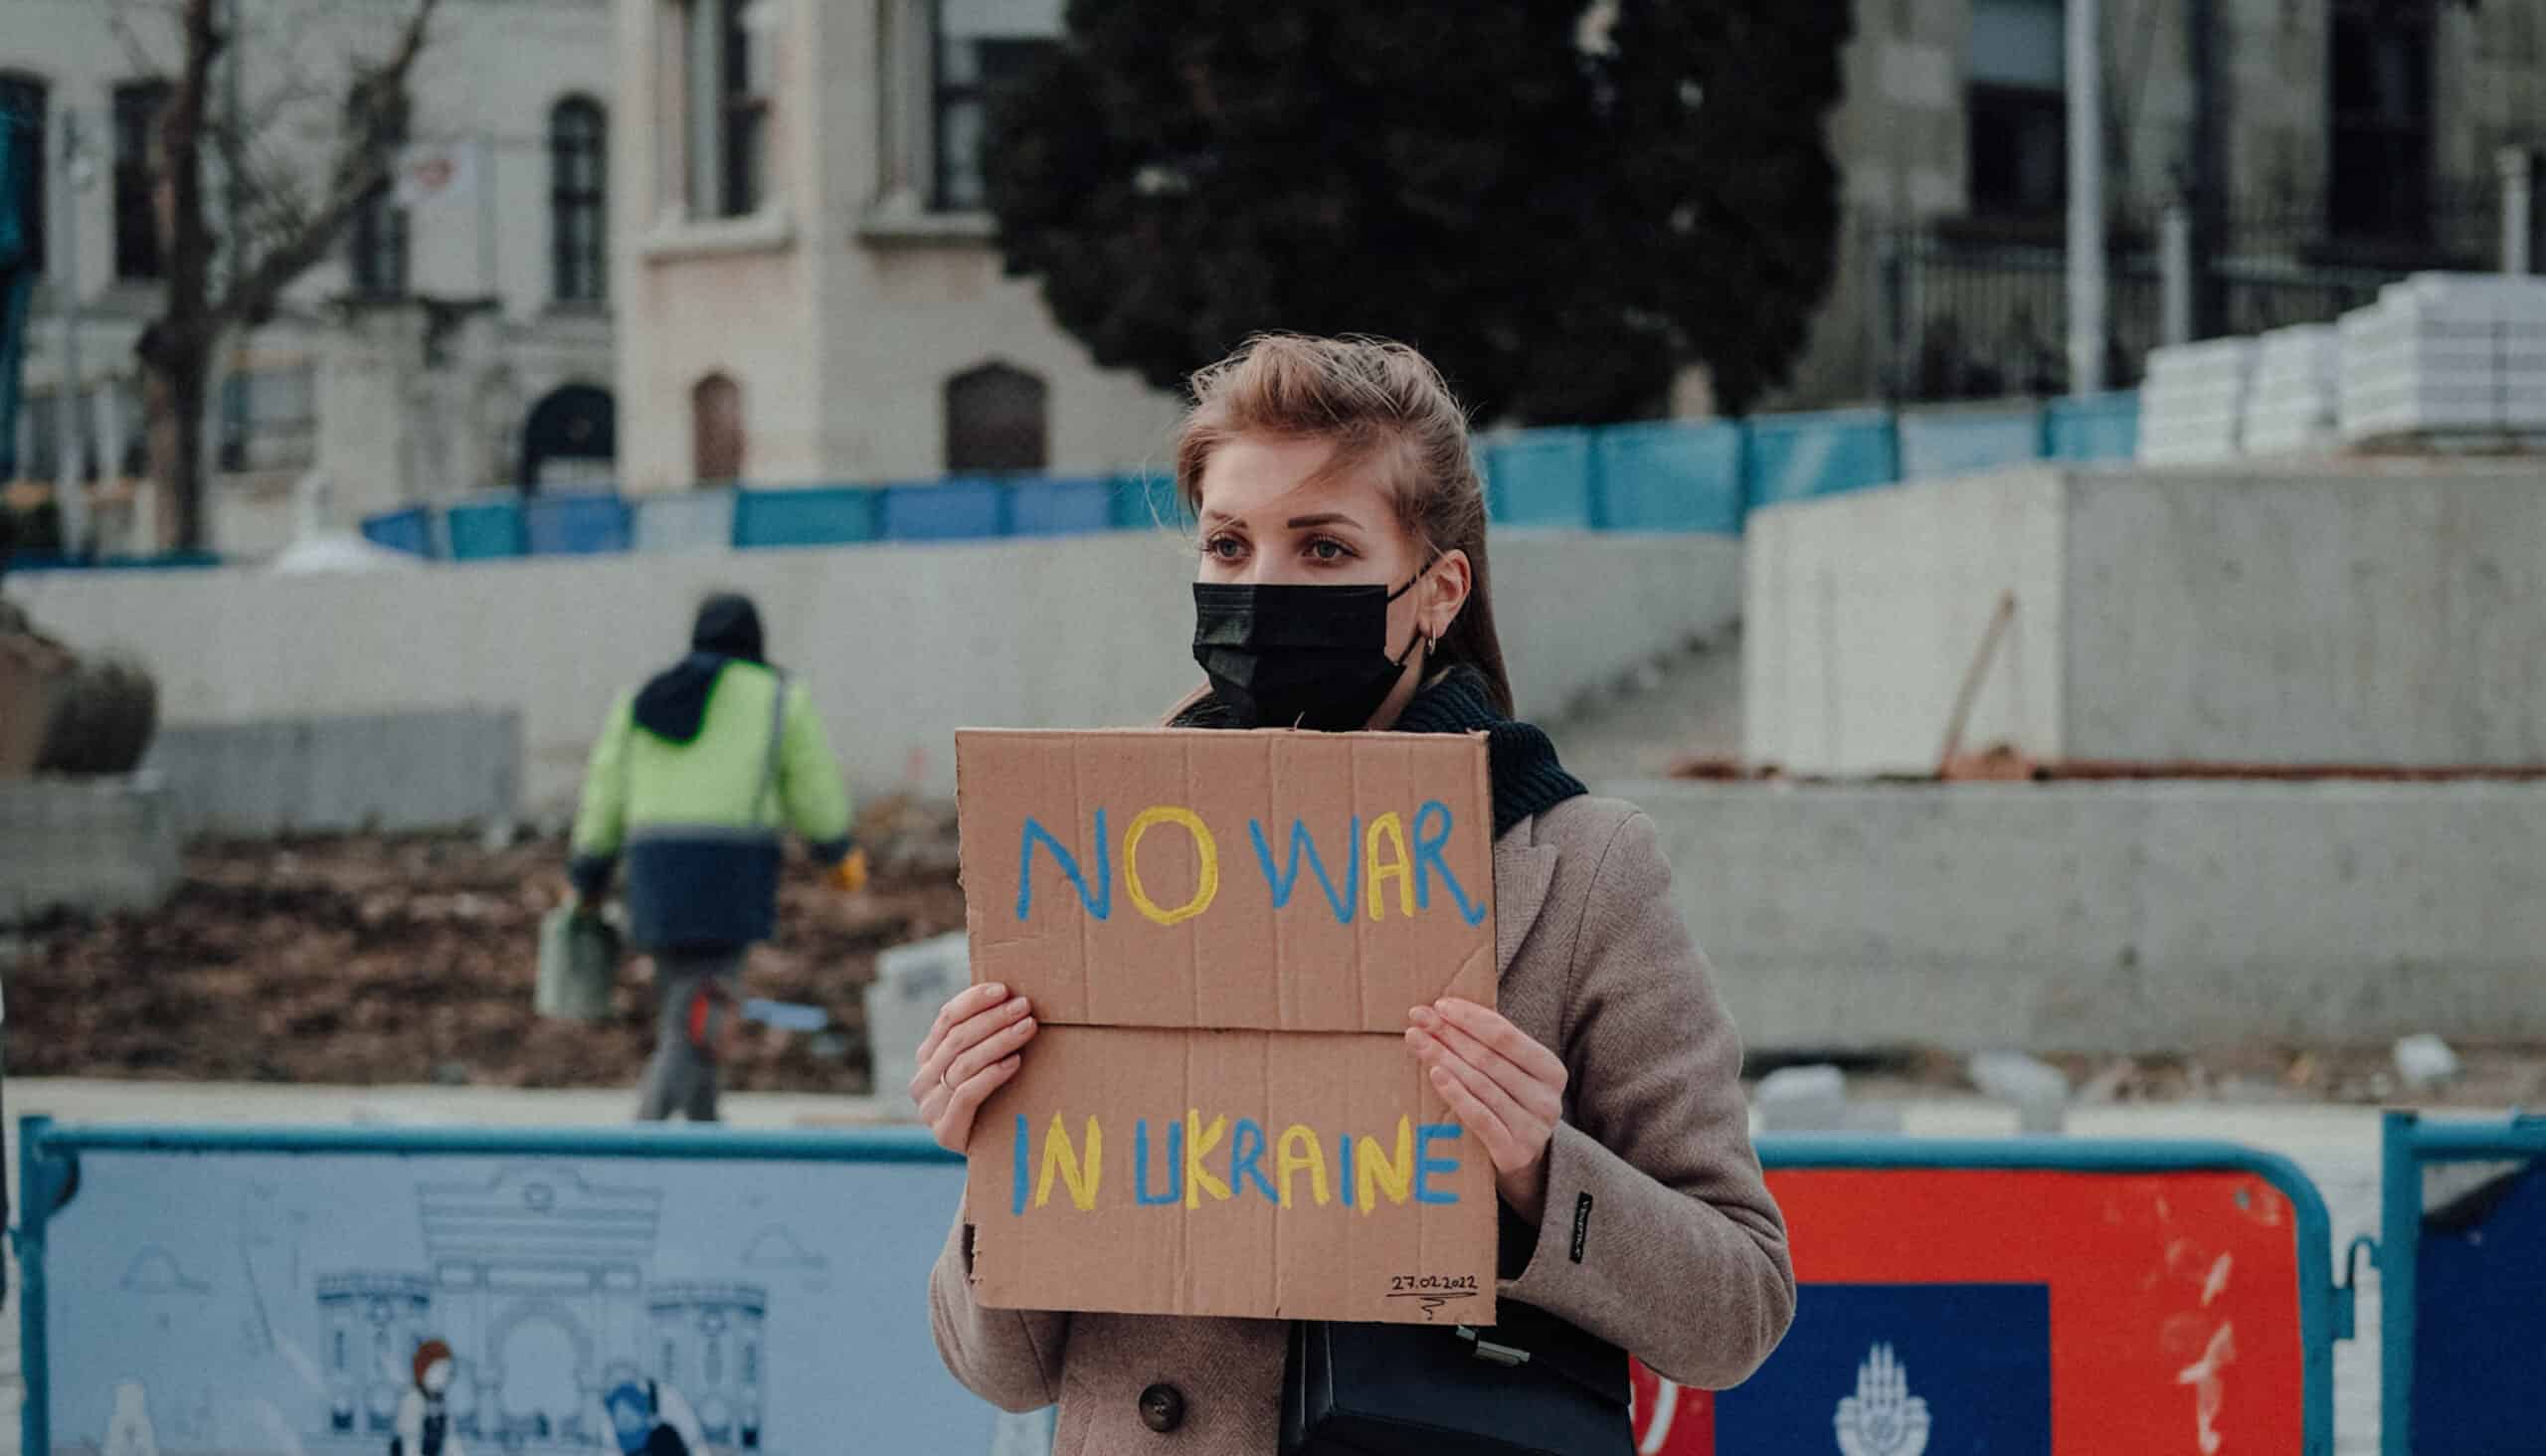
[1445,592]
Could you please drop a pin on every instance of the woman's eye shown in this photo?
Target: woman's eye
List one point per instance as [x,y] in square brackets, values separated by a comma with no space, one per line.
[1323,549]
[1226,548]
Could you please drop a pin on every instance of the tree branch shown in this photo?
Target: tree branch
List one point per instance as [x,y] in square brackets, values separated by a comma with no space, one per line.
[376,111]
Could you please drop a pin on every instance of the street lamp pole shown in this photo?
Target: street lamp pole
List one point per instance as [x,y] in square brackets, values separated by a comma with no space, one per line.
[71,492]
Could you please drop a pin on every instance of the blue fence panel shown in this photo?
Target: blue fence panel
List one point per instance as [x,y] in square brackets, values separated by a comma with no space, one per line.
[827,515]
[487,530]
[2462,1271]
[1543,477]
[410,531]
[694,521]
[257,1289]
[1060,507]
[954,509]
[576,525]
[1936,445]
[2101,426]
[1670,478]
[1147,503]
[1798,457]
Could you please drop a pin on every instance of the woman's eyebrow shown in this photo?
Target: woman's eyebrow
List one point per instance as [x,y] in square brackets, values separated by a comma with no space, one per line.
[1322,519]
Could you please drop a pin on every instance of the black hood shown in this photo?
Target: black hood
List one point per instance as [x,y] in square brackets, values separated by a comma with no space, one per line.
[674,703]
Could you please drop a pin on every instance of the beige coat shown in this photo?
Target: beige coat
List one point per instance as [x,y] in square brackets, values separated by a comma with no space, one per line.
[1659,1234]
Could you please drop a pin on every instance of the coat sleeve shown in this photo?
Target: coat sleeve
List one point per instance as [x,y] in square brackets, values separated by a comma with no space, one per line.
[809,783]
[1010,1358]
[600,824]
[1659,1234]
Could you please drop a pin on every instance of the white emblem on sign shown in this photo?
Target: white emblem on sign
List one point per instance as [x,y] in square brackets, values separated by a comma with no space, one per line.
[1883,1418]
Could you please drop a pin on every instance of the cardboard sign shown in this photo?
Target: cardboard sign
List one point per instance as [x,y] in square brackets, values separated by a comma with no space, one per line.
[1221,934]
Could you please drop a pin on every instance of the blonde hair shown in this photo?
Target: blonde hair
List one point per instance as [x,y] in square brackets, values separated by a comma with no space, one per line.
[1376,400]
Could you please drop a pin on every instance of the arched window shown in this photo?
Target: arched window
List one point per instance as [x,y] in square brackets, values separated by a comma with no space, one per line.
[578,196]
[995,420]
[571,435]
[716,429]
[23,113]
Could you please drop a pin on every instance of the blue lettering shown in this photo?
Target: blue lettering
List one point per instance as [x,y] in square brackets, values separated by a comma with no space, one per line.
[1282,884]
[1344,1161]
[1024,1152]
[1175,1163]
[1427,859]
[1425,1165]
[1245,1146]
[1099,903]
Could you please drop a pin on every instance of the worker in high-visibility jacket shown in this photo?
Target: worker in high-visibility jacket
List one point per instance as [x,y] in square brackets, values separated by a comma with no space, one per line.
[694,778]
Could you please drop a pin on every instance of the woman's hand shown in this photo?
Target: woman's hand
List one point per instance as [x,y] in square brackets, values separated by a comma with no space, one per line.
[1501,1085]
[971,1052]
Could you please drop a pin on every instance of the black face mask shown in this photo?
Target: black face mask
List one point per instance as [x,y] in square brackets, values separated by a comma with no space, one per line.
[1284,656]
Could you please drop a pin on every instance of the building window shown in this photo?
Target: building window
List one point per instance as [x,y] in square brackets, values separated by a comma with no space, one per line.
[729,59]
[376,250]
[2381,94]
[978,46]
[137,248]
[269,421]
[578,176]
[716,429]
[2016,110]
[22,128]
[995,420]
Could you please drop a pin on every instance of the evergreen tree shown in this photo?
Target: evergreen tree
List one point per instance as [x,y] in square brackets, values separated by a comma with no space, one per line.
[1559,203]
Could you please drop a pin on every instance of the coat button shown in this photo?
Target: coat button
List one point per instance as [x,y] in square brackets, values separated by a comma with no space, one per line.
[1161,1408]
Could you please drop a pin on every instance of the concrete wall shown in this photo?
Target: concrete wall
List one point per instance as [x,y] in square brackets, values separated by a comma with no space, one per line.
[389,772]
[1862,613]
[2338,611]
[900,645]
[2118,917]
[86,844]
[2347,615]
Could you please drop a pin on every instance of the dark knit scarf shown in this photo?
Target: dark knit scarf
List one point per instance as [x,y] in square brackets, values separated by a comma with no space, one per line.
[1520,757]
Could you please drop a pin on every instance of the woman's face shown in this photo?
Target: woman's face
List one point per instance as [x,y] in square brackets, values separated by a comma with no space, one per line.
[1272,515]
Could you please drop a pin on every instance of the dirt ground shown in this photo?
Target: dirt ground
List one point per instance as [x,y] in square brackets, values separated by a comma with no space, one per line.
[365,961]
[360,960]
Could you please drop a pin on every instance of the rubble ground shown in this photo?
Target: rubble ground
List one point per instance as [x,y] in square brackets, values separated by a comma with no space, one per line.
[366,960]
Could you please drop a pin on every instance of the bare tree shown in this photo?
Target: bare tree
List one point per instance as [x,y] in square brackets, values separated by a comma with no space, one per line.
[283,225]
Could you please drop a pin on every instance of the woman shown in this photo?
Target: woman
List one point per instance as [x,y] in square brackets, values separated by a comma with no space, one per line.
[1605,1089]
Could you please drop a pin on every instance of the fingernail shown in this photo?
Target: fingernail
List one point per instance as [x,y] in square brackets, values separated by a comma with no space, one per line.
[1016,1004]
[1028,1024]
[1422,1015]
[1441,1075]
[994,988]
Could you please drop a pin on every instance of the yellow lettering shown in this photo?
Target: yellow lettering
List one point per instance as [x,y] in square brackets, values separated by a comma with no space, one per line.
[1206,884]
[1370,1166]
[1301,1149]
[1059,1156]
[1199,1140]
[1397,868]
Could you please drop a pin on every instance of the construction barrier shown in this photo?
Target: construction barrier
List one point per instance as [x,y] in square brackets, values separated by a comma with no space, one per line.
[2461,1287]
[2034,1296]
[269,1289]
[1674,476]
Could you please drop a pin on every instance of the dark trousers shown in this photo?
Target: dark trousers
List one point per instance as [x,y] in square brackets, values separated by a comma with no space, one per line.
[693,991]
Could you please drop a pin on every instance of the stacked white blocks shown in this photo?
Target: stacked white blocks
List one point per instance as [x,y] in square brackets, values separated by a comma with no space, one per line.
[2192,405]
[2290,408]
[2447,359]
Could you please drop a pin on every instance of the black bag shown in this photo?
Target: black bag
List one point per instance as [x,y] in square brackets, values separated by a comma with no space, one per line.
[1531,1385]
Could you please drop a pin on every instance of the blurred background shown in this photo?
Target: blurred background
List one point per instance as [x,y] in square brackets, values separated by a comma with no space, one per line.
[386,381]
[2045,503]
